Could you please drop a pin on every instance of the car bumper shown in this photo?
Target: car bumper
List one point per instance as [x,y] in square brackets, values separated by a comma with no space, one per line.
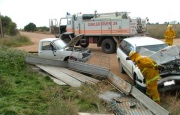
[85,59]
[169,83]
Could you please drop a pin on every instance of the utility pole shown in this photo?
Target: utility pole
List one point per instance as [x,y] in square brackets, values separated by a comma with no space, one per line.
[1,27]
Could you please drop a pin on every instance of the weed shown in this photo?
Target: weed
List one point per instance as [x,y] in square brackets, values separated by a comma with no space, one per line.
[15,41]
[158,30]
[171,102]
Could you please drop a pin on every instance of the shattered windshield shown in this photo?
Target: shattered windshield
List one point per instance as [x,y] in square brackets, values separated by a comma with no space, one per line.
[154,48]
[60,44]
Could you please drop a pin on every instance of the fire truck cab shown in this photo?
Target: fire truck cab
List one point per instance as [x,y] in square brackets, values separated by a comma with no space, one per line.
[104,29]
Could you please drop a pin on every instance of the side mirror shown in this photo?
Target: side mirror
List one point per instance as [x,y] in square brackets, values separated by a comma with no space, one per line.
[128,58]
[52,47]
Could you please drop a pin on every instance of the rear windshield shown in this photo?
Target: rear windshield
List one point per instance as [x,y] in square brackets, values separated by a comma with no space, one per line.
[152,47]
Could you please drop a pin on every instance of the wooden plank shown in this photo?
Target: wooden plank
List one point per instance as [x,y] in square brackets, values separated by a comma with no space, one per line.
[79,76]
[59,82]
[60,75]
[129,89]
[124,103]
[119,83]
[149,103]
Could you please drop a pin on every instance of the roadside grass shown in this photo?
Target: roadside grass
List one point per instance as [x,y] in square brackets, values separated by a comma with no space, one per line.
[25,92]
[158,30]
[15,41]
[80,99]
[171,102]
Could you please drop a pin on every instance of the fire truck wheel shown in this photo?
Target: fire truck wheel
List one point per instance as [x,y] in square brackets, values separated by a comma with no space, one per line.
[108,46]
[84,45]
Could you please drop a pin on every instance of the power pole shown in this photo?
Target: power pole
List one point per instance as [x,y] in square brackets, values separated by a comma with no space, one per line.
[1,27]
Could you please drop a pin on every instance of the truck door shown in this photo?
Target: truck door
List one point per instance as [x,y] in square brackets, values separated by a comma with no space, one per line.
[125,29]
[77,27]
[66,25]
[106,26]
[53,27]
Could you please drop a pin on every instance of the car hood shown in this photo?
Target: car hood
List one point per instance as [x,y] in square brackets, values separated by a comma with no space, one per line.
[75,40]
[164,55]
[168,58]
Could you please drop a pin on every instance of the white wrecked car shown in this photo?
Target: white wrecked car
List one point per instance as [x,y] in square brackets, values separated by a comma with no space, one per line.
[169,59]
[55,48]
[166,56]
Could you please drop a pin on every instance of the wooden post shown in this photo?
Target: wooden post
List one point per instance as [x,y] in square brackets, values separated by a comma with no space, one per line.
[1,27]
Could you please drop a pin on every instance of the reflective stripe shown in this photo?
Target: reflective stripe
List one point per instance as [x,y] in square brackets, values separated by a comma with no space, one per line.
[154,66]
[148,94]
[156,99]
[155,78]
[143,70]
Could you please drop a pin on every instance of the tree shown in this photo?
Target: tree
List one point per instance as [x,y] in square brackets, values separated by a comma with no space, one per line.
[43,28]
[166,22]
[12,28]
[30,27]
[9,27]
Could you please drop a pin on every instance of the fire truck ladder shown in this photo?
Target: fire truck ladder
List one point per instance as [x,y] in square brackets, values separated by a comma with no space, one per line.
[123,14]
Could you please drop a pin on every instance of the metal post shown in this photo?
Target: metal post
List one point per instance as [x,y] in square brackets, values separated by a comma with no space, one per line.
[1,27]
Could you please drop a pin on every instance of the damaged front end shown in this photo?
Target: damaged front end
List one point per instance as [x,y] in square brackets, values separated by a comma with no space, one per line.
[169,61]
[170,76]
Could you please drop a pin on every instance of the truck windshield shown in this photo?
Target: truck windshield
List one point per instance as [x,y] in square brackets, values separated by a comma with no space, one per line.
[60,44]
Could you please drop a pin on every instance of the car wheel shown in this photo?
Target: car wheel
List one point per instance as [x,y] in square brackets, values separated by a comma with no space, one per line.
[72,58]
[84,43]
[108,46]
[121,69]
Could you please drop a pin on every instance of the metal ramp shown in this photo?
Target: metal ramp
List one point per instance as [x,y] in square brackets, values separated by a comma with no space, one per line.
[119,83]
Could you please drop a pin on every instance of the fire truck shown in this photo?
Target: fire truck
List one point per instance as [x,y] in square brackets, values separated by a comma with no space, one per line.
[104,29]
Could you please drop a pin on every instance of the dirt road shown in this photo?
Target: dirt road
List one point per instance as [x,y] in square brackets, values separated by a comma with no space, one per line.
[98,57]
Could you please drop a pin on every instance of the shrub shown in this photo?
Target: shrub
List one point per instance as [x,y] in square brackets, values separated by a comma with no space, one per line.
[15,41]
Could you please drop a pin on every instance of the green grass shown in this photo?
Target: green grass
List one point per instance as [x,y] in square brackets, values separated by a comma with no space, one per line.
[15,41]
[26,92]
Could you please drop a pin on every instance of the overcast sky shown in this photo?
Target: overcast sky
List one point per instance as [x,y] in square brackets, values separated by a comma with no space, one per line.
[22,12]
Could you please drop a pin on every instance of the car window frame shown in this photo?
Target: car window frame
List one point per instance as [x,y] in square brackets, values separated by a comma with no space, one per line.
[126,47]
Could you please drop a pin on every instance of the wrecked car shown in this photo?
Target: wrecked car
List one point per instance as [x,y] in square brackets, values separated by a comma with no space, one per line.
[55,48]
[165,56]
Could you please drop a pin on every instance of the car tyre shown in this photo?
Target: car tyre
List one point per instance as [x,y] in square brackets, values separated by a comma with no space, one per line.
[108,46]
[72,58]
[84,45]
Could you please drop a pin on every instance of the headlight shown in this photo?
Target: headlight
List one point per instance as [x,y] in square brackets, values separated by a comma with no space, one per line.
[167,83]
